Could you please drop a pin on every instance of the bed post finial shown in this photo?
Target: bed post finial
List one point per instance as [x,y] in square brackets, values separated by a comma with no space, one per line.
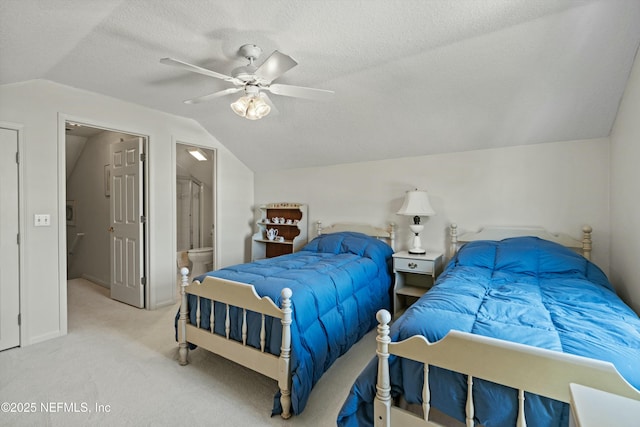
[453,235]
[382,404]
[182,321]
[318,228]
[284,381]
[392,235]
[586,241]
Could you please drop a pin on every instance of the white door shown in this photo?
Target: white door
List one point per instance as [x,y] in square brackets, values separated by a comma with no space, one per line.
[126,240]
[9,249]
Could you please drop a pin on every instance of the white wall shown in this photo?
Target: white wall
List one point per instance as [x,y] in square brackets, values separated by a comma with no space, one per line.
[560,186]
[41,107]
[625,194]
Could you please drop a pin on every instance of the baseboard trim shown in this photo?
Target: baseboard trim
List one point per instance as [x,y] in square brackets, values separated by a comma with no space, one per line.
[96,280]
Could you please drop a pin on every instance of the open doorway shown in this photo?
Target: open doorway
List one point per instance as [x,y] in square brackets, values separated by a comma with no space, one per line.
[195,208]
[102,197]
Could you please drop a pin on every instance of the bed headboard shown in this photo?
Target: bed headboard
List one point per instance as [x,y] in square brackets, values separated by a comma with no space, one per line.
[583,246]
[388,235]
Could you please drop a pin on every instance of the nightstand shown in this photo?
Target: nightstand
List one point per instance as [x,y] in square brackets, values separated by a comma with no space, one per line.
[414,274]
[594,408]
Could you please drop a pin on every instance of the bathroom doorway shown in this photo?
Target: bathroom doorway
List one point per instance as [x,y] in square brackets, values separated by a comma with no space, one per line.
[195,208]
[106,243]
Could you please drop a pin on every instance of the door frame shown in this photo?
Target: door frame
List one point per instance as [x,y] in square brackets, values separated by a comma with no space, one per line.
[22,221]
[62,197]
[174,237]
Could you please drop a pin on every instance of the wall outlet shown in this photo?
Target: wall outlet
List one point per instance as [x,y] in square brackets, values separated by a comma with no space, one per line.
[42,220]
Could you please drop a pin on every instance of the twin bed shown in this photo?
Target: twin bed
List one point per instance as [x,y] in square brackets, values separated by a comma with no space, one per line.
[525,312]
[290,317]
[508,326]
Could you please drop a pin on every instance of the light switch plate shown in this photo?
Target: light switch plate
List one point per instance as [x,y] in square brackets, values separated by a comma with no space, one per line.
[42,220]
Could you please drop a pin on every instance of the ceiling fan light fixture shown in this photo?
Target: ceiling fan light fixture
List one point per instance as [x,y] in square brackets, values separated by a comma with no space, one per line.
[251,107]
[240,106]
[261,107]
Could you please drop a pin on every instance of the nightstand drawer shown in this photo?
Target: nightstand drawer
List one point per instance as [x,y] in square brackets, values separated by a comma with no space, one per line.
[413,265]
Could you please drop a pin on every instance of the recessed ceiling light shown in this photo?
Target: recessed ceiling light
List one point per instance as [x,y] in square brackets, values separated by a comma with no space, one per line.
[198,154]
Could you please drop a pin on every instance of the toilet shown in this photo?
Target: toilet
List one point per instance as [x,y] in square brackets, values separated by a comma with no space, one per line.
[201,260]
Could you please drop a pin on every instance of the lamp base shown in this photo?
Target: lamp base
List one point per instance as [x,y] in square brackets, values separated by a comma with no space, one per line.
[417,251]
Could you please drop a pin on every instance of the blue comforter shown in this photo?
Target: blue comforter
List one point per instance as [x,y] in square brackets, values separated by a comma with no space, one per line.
[339,282]
[524,290]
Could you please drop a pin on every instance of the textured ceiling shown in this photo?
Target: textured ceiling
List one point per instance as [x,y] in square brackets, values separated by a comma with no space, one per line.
[411,77]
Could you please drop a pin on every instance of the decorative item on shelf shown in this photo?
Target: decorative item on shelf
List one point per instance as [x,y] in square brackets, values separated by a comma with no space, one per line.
[416,204]
[283,205]
[272,233]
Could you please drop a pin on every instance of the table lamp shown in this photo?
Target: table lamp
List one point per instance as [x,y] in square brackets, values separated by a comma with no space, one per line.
[416,204]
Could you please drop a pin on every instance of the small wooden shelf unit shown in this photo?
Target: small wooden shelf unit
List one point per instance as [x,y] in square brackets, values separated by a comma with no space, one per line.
[295,234]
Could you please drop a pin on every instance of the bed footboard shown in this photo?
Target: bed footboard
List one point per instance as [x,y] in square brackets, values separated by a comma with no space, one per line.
[511,364]
[243,296]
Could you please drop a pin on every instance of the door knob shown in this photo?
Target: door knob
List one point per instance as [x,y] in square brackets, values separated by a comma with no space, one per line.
[110,229]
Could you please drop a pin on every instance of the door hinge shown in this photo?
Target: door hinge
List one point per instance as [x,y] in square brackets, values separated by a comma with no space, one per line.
[143,157]
[143,219]
[18,238]
[19,319]
[143,281]
[17,157]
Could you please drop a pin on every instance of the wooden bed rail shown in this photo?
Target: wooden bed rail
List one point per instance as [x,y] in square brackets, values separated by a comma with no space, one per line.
[244,297]
[388,235]
[515,365]
[583,246]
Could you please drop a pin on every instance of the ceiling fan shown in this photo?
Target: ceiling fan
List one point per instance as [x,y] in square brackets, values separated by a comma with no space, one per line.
[253,82]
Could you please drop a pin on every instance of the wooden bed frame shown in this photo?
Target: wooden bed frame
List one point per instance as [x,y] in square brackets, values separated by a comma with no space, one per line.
[498,233]
[244,296]
[503,362]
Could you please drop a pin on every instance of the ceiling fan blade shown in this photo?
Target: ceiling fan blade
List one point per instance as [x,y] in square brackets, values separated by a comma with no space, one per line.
[211,96]
[274,66]
[300,92]
[196,69]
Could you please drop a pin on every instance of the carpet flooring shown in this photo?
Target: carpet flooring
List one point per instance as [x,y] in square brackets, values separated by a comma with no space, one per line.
[117,366]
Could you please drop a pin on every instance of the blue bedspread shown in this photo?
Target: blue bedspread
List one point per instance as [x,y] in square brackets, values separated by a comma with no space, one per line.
[339,282]
[525,290]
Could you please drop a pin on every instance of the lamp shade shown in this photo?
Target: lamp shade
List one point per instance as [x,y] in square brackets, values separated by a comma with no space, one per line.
[416,203]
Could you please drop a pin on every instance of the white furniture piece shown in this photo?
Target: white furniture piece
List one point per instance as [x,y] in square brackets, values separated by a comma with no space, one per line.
[591,407]
[503,362]
[583,246]
[388,235]
[245,297]
[416,204]
[414,275]
[291,228]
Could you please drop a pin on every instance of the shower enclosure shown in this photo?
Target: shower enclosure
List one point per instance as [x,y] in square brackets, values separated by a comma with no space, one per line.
[190,213]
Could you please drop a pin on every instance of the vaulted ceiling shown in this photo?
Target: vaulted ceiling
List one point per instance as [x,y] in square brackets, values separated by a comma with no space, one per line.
[411,77]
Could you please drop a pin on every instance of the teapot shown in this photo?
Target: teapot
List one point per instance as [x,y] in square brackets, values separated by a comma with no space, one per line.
[272,233]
